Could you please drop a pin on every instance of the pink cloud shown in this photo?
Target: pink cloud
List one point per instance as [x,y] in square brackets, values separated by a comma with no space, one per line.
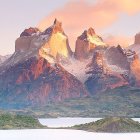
[124,41]
[79,15]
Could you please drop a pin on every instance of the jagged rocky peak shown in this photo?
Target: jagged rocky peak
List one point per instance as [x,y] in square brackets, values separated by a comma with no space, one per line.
[91,31]
[52,44]
[57,26]
[117,56]
[136,46]
[57,47]
[97,65]
[137,39]
[38,83]
[111,68]
[135,70]
[29,39]
[86,43]
[30,31]
[106,72]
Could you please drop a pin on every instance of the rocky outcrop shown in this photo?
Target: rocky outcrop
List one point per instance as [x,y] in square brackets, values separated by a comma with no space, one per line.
[29,32]
[23,43]
[86,43]
[57,46]
[101,76]
[51,44]
[36,82]
[137,39]
[136,46]
[33,75]
[135,70]
[117,56]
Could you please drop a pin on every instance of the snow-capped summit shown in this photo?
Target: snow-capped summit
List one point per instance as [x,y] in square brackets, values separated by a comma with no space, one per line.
[86,43]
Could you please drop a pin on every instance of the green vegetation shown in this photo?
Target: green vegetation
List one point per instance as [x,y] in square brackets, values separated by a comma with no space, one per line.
[111,125]
[121,102]
[10,121]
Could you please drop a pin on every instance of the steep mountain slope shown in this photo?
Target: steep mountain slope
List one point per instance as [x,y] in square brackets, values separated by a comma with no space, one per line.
[135,70]
[101,67]
[32,75]
[43,69]
[111,125]
[57,46]
[52,44]
[135,65]
[86,43]
[136,46]
[35,82]
[103,76]
[3,58]
[12,121]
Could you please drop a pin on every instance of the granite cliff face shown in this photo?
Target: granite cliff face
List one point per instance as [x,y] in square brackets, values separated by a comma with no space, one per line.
[136,46]
[36,82]
[86,43]
[103,76]
[33,75]
[137,39]
[135,70]
[135,64]
[43,69]
[52,44]
[57,46]
[112,68]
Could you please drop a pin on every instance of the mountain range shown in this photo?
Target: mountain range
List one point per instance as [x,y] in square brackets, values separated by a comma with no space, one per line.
[43,68]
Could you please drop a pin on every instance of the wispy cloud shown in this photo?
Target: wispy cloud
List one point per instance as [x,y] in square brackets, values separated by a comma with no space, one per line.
[123,40]
[79,15]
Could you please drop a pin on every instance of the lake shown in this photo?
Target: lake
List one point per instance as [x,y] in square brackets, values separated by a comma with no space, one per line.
[67,122]
[61,134]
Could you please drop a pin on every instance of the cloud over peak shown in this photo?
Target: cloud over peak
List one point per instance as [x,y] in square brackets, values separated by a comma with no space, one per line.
[80,14]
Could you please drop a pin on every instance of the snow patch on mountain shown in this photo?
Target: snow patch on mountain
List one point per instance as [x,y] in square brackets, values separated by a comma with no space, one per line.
[78,68]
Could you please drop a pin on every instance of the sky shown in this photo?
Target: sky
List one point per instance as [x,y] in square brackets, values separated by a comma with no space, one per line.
[117,21]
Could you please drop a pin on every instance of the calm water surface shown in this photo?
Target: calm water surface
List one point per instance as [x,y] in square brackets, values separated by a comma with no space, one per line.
[66,122]
[60,134]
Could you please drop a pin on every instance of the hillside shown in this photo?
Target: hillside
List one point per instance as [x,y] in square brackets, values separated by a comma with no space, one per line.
[104,104]
[11,121]
[111,125]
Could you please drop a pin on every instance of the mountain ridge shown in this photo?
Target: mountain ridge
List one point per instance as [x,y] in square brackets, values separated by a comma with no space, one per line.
[43,68]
